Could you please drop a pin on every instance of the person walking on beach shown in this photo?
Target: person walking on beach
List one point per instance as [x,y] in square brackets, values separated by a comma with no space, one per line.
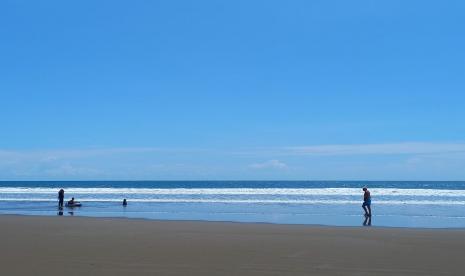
[61,198]
[366,202]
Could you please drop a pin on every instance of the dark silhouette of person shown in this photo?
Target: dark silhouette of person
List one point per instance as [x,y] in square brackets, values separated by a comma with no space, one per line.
[71,202]
[366,202]
[61,197]
[125,203]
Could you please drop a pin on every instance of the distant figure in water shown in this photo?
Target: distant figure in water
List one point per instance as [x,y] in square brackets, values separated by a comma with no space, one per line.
[125,203]
[71,202]
[61,197]
[366,202]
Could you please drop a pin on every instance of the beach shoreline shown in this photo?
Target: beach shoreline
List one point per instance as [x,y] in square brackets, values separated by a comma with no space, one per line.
[395,204]
[117,246]
[239,222]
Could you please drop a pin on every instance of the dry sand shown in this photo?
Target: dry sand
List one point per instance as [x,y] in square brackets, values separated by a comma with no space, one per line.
[91,246]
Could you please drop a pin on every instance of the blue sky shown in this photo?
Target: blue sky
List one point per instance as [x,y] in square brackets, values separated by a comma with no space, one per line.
[232,90]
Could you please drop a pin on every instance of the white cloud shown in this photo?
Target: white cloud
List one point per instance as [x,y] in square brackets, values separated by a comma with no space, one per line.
[413,160]
[67,170]
[412,148]
[100,163]
[270,164]
[377,149]
[69,153]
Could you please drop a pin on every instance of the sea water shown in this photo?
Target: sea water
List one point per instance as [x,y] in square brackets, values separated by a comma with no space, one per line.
[338,203]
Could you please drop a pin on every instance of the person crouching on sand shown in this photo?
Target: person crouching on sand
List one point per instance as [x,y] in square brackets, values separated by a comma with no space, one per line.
[366,202]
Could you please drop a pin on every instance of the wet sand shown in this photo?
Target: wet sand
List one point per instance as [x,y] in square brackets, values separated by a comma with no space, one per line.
[99,246]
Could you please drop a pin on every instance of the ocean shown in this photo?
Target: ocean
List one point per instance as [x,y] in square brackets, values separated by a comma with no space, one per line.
[337,203]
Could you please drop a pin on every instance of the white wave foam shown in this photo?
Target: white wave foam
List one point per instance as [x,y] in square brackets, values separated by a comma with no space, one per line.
[240,191]
[254,201]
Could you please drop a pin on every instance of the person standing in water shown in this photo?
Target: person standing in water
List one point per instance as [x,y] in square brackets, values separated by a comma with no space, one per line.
[366,202]
[61,197]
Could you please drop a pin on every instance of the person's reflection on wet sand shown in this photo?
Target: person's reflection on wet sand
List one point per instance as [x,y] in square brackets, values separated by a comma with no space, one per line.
[60,213]
[71,213]
[367,221]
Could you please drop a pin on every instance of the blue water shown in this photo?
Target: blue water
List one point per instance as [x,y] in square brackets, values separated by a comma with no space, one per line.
[395,204]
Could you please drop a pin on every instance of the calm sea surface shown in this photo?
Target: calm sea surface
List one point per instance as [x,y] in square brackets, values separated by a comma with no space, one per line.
[394,204]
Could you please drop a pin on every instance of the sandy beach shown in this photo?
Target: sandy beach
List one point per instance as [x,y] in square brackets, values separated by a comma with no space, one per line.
[99,246]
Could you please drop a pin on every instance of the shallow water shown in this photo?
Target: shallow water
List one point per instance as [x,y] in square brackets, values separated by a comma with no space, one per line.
[395,204]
